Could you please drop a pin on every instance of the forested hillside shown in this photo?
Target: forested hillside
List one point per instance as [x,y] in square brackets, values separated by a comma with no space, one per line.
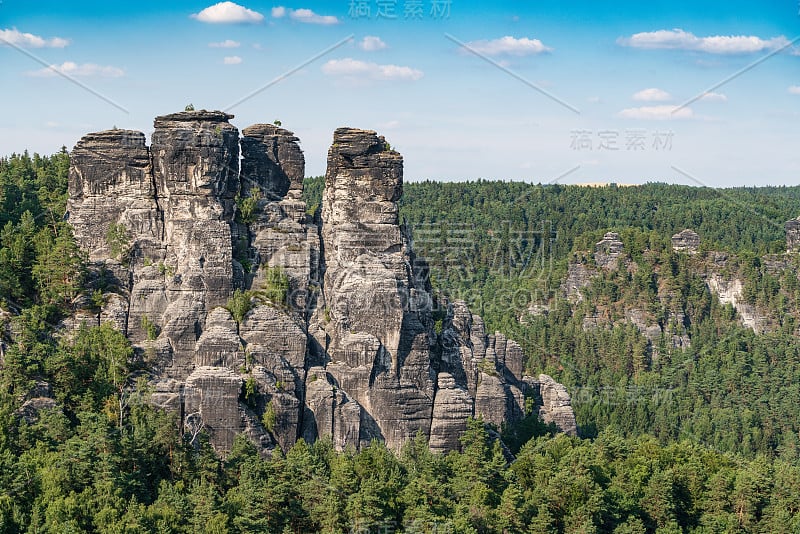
[505,248]
[692,429]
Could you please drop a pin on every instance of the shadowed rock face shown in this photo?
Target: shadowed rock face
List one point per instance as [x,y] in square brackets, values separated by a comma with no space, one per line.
[111,182]
[351,353]
[273,161]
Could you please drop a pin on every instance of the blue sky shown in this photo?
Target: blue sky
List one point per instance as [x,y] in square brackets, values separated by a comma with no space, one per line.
[541,91]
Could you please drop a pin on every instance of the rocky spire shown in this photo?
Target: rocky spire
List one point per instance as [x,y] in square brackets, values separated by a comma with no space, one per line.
[272,161]
[376,325]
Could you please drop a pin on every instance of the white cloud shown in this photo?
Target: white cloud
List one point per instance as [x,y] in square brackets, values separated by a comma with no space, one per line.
[303,15]
[653,94]
[594,100]
[71,68]
[509,46]
[309,17]
[15,37]
[794,89]
[226,44]
[714,97]
[678,39]
[355,68]
[232,60]
[657,113]
[370,43]
[228,13]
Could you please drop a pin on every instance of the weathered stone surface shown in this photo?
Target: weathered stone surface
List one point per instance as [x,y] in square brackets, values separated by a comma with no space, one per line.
[729,291]
[111,182]
[686,241]
[374,316]
[212,403]
[115,311]
[351,353]
[793,235]
[579,276]
[330,412]
[219,344]
[273,161]
[607,251]
[451,408]
[556,405]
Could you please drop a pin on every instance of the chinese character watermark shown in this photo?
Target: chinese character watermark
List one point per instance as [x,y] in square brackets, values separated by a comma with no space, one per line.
[633,139]
[391,9]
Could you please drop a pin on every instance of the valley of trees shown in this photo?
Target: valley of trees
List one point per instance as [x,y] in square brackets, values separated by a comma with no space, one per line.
[700,439]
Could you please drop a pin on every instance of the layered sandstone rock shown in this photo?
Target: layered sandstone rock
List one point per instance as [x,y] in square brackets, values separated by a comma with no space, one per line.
[374,323]
[349,352]
[608,250]
[793,235]
[686,241]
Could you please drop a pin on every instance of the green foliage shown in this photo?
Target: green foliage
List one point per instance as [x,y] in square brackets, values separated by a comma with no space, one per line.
[150,328]
[239,304]
[165,269]
[250,390]
[275,286]
[97,299]
[276,122]
[189,107]
[118,239]
[247,211]
[270,417]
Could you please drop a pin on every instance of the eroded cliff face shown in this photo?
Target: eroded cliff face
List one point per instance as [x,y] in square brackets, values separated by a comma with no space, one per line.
[349,351]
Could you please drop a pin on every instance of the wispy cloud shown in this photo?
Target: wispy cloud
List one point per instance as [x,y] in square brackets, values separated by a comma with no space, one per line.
[226,44]
[678,39]
[653,94]
[228,13]
[69,68]
[306,16]
[370,43]
[13,36]
[362,69]
[510,46]
[794,89]
[656,113]
[232,60]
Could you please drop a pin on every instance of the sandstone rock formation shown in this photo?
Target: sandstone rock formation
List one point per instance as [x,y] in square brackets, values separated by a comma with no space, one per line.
[686,241]
[729,291]
[607,251]
[260,319]
[793,235]
[556,405]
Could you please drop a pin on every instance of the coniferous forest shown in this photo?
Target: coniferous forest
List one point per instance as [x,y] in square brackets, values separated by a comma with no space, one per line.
[693,426]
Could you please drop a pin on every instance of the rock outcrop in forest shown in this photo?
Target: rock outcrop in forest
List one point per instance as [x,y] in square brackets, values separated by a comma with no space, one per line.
[263,319]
